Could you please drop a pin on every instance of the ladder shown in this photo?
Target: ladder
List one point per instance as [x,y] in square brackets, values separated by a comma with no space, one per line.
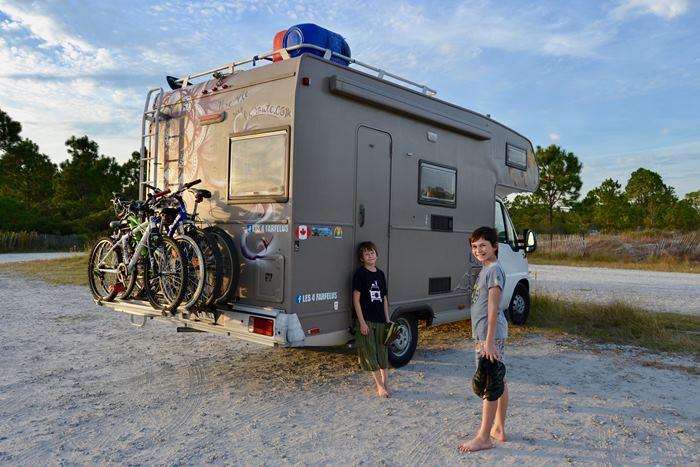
[150,124]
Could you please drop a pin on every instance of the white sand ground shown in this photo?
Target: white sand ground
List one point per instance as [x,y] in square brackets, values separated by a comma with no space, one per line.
[80,386]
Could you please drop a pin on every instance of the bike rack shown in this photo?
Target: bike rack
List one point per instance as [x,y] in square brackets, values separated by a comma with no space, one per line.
[133,323]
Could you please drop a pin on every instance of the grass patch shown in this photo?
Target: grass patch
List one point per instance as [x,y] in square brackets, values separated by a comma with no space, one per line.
[616,323]
[656,264]
[62,271]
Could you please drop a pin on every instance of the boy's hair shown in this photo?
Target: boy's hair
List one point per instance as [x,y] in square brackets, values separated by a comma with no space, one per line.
[366,246]
[487,233]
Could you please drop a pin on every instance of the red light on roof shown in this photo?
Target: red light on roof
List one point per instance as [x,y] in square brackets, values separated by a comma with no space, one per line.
[263,326]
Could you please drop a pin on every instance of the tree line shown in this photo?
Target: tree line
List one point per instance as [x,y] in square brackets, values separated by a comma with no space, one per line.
[645,202]
[72,197]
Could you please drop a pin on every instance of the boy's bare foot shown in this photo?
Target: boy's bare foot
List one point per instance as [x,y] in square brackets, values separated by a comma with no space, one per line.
[499,435]
[381,392]
[475,444]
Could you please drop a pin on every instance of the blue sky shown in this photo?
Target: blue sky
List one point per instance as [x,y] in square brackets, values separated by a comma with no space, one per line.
[617,82]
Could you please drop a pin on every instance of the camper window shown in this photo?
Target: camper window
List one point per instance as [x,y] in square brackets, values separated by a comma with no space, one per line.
[258,167]
[516,157]
[437,184]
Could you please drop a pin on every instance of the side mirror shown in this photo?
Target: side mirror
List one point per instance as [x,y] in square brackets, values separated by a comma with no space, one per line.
[530,241]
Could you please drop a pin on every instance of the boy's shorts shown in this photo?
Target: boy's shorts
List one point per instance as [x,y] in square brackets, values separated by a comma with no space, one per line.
[500,349]
[372,354]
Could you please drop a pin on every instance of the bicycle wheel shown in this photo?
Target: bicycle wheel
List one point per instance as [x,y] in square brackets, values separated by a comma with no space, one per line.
[231,264]
[165,275]
[213,262]
[103,269]
[196,270]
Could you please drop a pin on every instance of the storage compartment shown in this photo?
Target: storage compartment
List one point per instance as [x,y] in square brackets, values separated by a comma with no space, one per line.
[309,33]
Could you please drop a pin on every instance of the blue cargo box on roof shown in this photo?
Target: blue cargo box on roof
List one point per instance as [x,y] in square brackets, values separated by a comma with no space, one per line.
[309,33]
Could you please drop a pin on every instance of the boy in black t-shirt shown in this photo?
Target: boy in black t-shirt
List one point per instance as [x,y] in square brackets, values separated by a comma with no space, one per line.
[369,300]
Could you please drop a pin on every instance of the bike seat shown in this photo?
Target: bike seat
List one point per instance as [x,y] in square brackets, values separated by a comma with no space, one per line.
[203,194]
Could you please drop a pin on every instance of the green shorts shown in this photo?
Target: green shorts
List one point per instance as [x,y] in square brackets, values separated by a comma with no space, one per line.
[371,351]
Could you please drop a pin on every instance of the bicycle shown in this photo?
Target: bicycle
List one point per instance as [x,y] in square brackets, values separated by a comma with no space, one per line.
[165,272]
[205,262]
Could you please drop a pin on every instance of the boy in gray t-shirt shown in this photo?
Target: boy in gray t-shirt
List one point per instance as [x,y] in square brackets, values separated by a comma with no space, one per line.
[489,329]
[491,275]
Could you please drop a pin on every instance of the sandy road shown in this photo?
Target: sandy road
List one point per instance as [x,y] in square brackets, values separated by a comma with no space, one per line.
[650,290]
[80,386]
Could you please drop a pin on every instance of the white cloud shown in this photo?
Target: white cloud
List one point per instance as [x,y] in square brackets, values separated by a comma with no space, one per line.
[554,137]
[667,9]
[68,51]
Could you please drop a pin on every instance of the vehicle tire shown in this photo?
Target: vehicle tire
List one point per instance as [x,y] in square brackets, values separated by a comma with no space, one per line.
[519,308]
[165,275]
[404,346]
[196,269]
[103,268]
[214,263]
[231,265]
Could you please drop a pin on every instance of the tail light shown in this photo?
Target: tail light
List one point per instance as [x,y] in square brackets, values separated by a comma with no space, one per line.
[263,326]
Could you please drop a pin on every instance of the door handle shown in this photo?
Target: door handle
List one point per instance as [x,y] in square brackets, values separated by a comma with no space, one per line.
[362,215]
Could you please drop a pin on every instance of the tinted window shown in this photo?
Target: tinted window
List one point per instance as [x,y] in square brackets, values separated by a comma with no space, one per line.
[516,157]
[437,185]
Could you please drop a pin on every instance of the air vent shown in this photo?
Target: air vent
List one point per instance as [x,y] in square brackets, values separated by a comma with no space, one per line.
[443,223]
[439,285]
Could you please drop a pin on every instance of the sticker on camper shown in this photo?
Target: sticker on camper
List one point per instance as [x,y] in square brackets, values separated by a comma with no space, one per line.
[302,232]
[267,228]
[338,232]
[316,297]
[319,231]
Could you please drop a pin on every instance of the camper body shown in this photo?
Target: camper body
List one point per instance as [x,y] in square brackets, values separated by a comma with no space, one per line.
[305,159]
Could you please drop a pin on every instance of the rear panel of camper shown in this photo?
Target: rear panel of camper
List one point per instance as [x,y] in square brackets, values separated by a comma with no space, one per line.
[235,134]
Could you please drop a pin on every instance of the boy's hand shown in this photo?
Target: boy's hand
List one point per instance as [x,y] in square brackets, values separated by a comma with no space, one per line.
[364,329]
[489,351]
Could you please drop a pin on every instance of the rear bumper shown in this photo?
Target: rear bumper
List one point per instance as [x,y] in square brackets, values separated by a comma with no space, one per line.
[231,322]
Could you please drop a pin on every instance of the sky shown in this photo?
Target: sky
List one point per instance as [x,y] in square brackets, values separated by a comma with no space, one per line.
[616,82]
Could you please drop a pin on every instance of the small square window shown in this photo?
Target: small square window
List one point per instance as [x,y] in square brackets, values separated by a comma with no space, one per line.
[437,185]
[516,157]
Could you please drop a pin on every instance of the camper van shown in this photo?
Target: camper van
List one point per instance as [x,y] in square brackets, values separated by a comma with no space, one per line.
[307,153]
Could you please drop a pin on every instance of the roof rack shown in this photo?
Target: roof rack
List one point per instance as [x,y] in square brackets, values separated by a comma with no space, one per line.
[284,53]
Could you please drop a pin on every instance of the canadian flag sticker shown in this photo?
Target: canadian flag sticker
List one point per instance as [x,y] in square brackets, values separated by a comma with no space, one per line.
[302,232]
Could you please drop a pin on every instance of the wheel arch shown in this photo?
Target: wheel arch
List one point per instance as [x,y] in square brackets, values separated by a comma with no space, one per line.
[422,312]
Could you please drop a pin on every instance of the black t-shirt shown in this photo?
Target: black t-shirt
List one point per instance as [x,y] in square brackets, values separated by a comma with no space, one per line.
[372,288]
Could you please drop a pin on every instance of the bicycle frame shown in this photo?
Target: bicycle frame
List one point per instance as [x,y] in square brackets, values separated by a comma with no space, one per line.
[146,227]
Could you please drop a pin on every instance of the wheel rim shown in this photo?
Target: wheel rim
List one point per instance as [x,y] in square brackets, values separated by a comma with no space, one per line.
[518,307]
[400,345]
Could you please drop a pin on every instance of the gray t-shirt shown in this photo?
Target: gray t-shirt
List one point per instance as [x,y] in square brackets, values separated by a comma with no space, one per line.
[490,276]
